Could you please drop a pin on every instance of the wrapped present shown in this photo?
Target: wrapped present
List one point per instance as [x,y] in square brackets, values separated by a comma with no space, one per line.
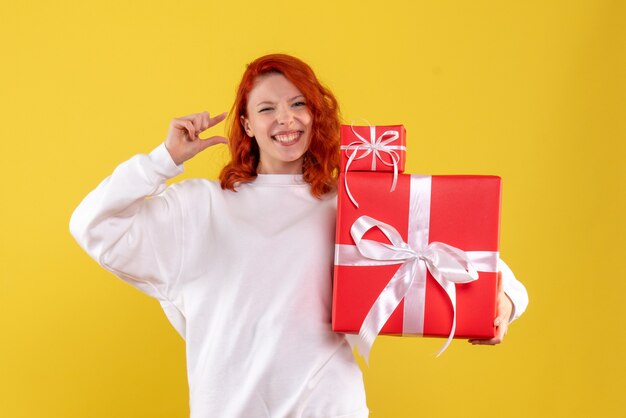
[373,148]
[421,260]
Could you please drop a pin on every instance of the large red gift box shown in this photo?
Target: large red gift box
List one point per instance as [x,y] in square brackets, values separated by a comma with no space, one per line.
[373,148]
[460,211]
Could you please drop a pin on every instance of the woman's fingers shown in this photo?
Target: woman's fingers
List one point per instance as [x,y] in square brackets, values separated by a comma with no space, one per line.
[183,140]
[209,142]
[199,122]
[190,128]
[217,119]
[203,121]
[501,328]
[501,322]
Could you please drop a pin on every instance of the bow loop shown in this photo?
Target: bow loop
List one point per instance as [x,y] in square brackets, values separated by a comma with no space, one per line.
[448,263]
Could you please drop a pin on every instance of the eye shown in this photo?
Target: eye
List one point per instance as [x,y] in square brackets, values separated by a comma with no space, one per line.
[265,109]
[299,103]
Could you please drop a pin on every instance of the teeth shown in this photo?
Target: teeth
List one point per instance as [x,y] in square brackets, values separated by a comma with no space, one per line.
[287,138]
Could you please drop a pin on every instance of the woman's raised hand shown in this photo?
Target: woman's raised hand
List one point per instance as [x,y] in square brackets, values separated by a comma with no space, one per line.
[182,140]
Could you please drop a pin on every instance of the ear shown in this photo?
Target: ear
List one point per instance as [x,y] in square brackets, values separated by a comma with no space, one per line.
[246,126]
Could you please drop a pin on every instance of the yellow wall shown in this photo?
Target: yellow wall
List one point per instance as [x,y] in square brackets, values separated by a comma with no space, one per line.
[532,91]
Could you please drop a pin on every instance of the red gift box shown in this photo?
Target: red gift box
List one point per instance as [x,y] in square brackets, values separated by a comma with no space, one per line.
[459,211]
[373,148]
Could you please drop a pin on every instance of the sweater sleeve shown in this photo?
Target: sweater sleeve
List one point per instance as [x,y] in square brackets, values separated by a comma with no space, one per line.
[132,224]
[514,289]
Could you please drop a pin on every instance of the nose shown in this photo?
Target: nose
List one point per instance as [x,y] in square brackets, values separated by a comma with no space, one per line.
[284,115]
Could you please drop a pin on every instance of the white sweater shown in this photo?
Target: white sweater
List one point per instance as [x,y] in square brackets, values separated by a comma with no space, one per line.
[244,277]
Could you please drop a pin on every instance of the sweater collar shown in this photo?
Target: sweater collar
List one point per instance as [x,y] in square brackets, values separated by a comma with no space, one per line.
[279,179]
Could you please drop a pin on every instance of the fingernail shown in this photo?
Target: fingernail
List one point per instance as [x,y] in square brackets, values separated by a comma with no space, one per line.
[497,322]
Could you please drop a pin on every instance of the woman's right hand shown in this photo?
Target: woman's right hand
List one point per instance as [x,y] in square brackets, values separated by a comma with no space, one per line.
[182,140]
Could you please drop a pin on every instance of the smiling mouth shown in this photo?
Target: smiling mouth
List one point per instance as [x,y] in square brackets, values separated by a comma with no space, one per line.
[288,138]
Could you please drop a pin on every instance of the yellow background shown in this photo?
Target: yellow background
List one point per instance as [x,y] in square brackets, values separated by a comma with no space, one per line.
[532,91]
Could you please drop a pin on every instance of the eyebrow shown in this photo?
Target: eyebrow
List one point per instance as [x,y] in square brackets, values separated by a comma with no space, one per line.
[271,103]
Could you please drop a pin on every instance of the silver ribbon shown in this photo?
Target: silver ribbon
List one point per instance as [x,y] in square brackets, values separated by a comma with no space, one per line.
[447,264]
[375,146]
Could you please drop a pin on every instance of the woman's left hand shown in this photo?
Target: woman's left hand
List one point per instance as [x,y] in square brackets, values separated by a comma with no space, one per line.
[505,307]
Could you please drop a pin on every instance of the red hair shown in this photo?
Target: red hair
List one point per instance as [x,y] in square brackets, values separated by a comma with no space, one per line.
[321,160]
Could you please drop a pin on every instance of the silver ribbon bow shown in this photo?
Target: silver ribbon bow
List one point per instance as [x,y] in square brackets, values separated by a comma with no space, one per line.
[447,264]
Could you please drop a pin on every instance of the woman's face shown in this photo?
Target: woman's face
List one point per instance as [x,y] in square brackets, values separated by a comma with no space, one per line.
[279,119]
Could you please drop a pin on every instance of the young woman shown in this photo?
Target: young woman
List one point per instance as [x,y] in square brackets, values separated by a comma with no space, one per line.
[243,267]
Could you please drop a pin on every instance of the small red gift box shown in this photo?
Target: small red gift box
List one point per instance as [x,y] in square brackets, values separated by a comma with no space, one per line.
[373,148]
[406,261]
